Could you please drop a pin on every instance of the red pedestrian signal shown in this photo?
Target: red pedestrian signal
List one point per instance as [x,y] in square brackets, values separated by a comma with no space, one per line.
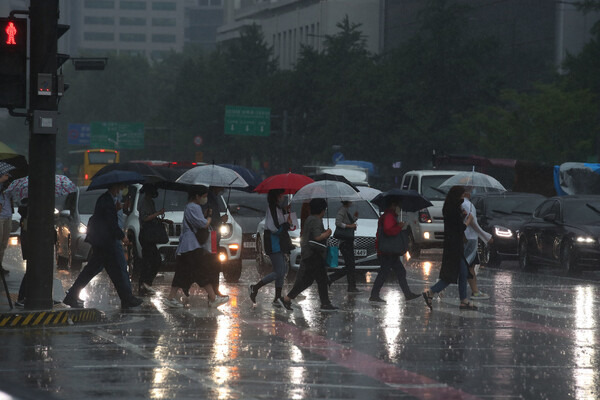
[13,62]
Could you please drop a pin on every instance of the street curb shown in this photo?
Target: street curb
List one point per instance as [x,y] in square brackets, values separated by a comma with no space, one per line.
[50,318]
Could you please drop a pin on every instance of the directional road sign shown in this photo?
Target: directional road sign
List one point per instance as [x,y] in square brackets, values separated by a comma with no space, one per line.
[79,134]
[117,135]
[249,121]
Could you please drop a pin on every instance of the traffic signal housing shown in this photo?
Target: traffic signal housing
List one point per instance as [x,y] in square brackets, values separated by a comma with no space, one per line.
[13,62]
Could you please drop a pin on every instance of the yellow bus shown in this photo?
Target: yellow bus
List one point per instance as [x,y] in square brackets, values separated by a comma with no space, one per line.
[91,161]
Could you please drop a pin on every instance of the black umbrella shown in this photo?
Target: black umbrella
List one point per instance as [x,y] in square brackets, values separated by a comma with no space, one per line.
[333,177]
[411,200]
[105,181]
[151,173]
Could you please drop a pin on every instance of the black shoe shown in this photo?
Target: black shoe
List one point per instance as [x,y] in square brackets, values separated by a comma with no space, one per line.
[354,290]
[133,302]
[376,300]
[252,293]
[73,302]
[412,296]
[4,271]
[276,303]
[285,304]
[328,308]
[329,282]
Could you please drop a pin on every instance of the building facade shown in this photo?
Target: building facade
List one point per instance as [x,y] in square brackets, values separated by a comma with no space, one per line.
[290,24]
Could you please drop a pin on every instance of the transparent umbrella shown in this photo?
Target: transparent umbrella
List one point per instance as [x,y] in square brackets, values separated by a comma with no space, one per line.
[212,175]
[333,190]
[476,181]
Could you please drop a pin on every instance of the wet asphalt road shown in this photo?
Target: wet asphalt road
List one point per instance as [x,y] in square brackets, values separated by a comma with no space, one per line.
[535,338]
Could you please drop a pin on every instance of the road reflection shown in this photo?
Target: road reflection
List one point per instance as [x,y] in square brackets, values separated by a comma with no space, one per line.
[584,357]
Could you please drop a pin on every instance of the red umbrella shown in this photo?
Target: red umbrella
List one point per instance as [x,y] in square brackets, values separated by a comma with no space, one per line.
[289,182]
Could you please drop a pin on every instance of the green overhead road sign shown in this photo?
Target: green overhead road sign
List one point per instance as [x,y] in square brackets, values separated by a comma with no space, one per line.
[117,135]
[249,121]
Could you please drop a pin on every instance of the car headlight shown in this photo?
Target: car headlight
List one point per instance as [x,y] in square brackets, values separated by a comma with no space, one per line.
[82,229]
[585,240]
[226,230]
[296,241]
[503,232]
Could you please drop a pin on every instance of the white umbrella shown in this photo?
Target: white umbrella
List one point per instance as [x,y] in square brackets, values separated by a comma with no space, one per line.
[368,193]
[212,175]
[333,190]
[477,181]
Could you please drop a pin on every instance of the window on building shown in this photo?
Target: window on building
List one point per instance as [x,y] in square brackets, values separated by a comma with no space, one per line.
[164,5]
[163,21]
[216,3]
[99,4]
[132,5]
[130,21]
[132,37]
[87,20]
[163,38]
[203,3]
[99,36]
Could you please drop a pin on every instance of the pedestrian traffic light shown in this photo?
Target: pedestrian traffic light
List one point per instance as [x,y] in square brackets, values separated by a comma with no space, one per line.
[13,62]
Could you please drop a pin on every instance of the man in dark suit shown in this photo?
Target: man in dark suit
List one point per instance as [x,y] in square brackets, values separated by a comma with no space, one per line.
[103,232]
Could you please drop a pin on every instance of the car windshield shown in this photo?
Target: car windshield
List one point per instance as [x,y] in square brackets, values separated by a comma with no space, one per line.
[365,210]
[247,204]
[586,212]
[429,187]
[525,205]
[171,200]
[87,201]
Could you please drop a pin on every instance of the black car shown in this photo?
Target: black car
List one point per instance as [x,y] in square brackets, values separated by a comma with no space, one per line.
[563,231]
[502,215]
[248,209]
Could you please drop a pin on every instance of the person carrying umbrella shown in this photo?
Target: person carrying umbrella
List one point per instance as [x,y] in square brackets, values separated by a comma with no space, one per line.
[217,219]
[6,210]
[346,222]
[103,232]
[390,225]
[277,244]
[313,251]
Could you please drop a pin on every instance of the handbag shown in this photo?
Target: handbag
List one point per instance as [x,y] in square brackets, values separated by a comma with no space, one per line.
[343,233]
[397,244]
[154,232]
[332,257]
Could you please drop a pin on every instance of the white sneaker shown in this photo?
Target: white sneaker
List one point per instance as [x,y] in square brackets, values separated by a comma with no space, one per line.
[172,303]
[218,301]
[480,296]
[149,289]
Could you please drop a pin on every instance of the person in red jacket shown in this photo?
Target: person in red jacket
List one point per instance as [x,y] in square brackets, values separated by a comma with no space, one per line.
[390,262]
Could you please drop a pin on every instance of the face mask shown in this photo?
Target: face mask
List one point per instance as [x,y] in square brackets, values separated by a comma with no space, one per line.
[203,200]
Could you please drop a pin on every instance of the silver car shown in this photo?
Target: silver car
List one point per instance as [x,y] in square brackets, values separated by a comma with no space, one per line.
[71,227]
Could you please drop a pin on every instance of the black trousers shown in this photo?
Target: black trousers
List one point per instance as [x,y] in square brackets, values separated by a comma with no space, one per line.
[150,263]
[311,269]
[347,250]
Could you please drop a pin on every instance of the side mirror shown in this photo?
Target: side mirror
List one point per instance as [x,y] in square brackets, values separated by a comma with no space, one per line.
[550,217]
[65,213]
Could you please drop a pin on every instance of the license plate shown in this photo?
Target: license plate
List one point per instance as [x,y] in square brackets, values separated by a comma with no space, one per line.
[360,252]
[249,245]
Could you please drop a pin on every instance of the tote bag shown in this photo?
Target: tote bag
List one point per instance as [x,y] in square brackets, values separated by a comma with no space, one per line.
[154,232]
[397,244]
[332,257]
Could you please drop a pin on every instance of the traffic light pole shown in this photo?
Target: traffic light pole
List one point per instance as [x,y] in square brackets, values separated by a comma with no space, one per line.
[43,109]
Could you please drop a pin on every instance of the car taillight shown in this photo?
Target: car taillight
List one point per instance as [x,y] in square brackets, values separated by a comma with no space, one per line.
[424,217]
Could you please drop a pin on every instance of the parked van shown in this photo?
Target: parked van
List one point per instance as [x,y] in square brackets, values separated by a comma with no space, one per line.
[426,226]
[174,203]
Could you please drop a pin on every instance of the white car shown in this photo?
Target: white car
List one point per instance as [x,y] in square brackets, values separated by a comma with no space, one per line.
[426,226]
[365,253]
[174,203]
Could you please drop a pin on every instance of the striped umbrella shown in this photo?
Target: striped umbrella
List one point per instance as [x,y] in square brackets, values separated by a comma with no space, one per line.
[19,188]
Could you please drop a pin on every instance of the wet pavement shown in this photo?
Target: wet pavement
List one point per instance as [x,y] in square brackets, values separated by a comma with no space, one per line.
[535,338]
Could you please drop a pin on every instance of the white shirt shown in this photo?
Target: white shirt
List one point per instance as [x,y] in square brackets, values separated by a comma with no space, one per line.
[473,231]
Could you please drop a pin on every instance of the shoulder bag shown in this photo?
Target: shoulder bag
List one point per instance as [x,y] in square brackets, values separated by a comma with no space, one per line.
[154,232]
[397,244]
[201,234]
[344,233]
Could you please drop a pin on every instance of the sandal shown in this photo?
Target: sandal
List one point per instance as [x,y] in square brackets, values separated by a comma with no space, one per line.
[428,299]
[467,307]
